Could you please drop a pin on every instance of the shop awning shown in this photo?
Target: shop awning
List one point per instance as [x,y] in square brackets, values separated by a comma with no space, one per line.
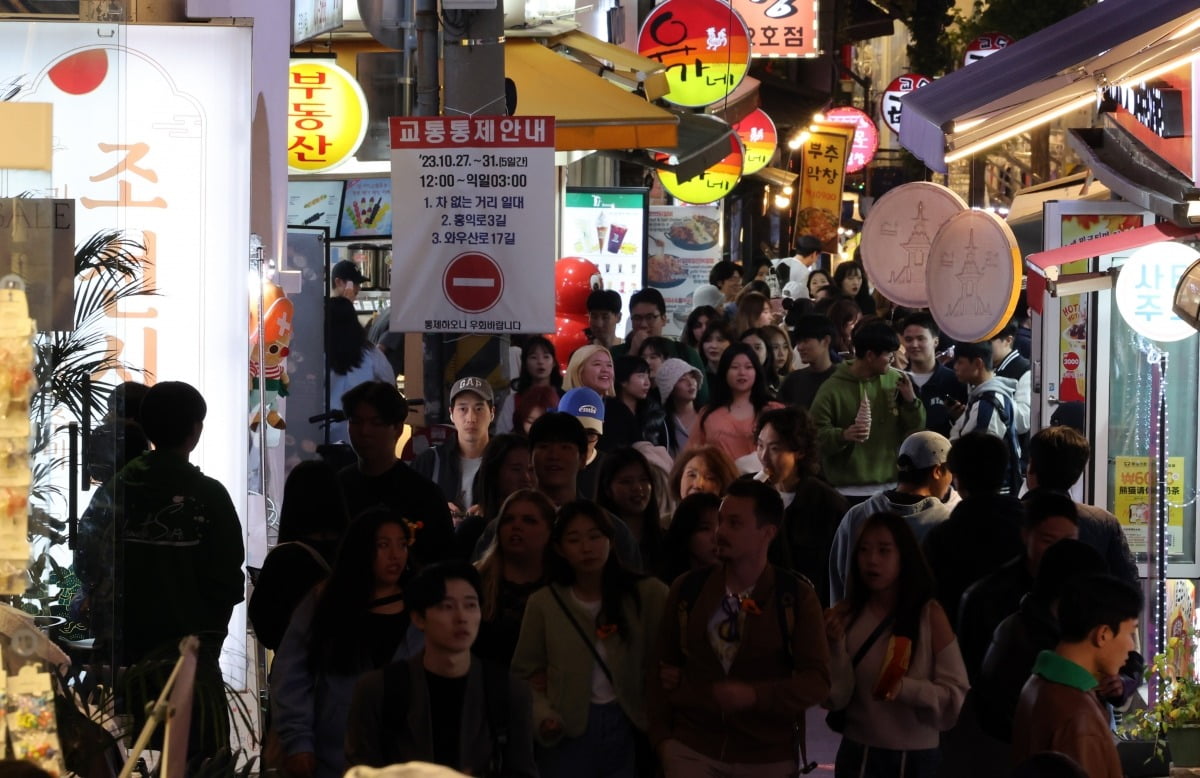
[777,177]
[1126,240]
[589,112]
[739,103]
[1025,214]
[1051,73]
[622,63]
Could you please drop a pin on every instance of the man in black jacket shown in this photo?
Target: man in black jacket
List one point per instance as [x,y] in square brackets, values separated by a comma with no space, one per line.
[376,412]
[454,465]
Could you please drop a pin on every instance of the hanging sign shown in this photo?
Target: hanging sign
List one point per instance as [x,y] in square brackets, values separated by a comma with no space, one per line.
[897,236]
[780,28]
[891,103]
[985,46]
[327,115]
[711,185]
[821,182]
[973,276]
[866,136]
[703,43]
[685,243]
[757,132]
[1145,290]
[477,194]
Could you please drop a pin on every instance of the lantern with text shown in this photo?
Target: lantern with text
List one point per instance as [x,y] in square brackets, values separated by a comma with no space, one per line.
[711,185]
[985,45]
[891,103]
[866,136]
[757,132]
[327,116]
[1145,290]
[780,28]
[704,45]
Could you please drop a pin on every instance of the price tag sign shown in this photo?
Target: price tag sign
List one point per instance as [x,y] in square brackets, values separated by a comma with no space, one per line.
[478,198]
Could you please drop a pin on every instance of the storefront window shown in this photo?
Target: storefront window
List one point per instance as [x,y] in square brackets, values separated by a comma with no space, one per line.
[1129,425]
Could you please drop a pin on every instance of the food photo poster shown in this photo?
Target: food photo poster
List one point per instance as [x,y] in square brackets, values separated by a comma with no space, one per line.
[683,244]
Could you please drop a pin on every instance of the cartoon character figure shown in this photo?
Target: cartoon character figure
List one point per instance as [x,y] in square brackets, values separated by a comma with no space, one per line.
[269,381]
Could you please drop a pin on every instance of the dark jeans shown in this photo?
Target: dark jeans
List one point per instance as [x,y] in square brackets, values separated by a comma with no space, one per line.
[604,750]
[855,760]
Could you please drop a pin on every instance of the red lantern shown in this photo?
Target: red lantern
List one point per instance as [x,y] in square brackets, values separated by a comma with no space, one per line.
[569,335]
[574,280]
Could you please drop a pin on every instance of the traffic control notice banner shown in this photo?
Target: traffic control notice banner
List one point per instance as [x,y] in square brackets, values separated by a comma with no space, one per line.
[473,244]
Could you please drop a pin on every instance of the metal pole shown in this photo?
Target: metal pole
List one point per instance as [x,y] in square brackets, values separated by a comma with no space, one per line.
[1158,540]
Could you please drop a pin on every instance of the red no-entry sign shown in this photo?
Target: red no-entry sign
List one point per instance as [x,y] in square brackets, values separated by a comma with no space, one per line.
[473,282]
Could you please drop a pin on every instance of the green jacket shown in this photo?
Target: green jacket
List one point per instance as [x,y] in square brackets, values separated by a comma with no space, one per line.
[835,408]
[549,644]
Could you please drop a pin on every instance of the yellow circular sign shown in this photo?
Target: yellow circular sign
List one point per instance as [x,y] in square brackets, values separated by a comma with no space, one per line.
[327,115]
[711,185]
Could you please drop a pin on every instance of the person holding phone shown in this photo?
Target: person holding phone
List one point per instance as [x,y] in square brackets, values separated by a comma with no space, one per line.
[939,389]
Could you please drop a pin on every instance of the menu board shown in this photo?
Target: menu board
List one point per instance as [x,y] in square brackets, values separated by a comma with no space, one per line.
[315,204]
[366,208]
[685,242]
[608,226]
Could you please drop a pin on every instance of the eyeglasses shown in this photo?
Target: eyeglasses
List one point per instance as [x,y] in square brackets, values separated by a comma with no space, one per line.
[729,630]
[644,318]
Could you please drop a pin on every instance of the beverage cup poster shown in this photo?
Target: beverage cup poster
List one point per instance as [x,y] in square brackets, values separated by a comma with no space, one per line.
[1132,501]
[684,244]
[476,253]
[608,227]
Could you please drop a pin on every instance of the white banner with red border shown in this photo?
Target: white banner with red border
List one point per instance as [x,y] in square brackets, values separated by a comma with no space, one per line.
[473,248]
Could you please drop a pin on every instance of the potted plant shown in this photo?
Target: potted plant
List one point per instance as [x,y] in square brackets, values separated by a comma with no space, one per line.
[1174,717]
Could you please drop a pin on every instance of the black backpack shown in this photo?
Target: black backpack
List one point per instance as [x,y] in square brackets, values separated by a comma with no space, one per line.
[1004,406]
[787,594]
[495,699]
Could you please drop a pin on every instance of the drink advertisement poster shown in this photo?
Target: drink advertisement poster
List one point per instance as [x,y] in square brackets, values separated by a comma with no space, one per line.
[1073,309]
[684,242]
[1132,501]
[608,227]
[477,194]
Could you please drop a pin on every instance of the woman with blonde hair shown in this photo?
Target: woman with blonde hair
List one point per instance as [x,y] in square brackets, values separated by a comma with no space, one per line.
[512,568]
[590,366]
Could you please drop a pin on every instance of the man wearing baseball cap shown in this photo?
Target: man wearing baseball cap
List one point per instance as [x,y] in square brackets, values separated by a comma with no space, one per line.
[587,406]
[922,483]
[347,280]
[454,465]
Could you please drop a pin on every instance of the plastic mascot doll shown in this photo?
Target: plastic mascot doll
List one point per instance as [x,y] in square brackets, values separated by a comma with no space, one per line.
[277,335]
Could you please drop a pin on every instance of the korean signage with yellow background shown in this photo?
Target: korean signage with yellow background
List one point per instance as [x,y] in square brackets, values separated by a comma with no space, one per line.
[711,185]
[1073,309]
[704,45]
[327,115]
[759,138]
[821,181]
[780,28]
[1132,501]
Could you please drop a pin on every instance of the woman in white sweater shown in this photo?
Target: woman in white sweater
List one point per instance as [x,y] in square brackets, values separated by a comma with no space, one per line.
[898,677]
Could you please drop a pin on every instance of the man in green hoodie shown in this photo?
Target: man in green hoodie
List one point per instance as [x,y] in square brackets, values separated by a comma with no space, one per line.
[863,413]
[161,549]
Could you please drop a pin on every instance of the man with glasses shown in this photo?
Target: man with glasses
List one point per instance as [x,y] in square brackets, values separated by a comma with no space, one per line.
[648,317]
[744,660]
[376,412]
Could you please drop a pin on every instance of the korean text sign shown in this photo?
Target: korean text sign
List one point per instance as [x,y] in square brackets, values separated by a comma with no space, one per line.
[825,154]
[704,45]
[780,28]
[476,198]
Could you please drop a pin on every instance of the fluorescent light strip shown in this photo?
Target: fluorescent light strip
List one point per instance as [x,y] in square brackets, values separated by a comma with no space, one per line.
[1063,110]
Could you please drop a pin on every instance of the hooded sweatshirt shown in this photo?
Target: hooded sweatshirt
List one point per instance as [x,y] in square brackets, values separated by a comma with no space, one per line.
[921,514]
[872,462]
[983,414]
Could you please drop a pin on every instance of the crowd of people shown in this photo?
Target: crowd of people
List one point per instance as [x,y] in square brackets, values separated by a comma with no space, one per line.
[658,560]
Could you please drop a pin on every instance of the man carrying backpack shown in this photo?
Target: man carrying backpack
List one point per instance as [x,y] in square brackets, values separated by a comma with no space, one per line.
[444,705]
[990,407]
[744,658]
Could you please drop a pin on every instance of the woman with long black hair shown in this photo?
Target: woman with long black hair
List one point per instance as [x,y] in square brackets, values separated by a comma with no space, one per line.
[539,367]
[906,681]
[627,489]
[352,623]
[351,357]
[739,394]
[583,648]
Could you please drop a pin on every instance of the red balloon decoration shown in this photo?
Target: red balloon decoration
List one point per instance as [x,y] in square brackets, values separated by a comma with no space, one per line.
[574,280]
[568,337]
